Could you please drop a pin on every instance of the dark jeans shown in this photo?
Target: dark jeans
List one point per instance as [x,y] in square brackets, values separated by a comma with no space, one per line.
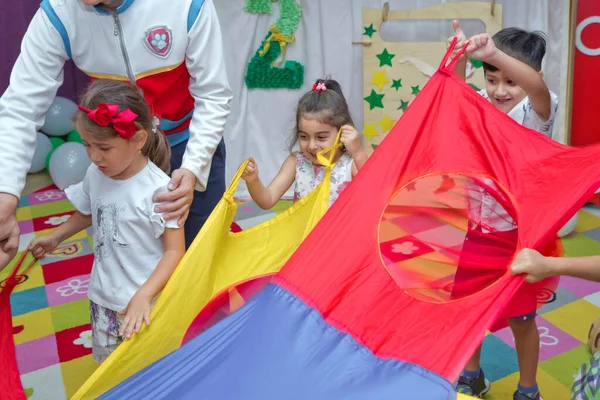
[204,202]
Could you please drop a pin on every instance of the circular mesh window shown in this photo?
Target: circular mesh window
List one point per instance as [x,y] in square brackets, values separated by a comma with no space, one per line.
[445,237]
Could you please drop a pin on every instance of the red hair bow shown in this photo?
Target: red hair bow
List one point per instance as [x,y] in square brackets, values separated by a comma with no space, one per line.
[106,114]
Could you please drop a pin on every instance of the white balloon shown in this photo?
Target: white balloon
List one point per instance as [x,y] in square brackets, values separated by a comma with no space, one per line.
[569,226]
[43,146]
[59,119]
[68,164]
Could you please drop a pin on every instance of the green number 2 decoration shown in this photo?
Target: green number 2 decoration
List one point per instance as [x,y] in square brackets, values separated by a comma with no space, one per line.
[264,69]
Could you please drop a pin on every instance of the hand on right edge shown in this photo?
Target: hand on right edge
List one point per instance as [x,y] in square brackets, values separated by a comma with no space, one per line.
[531,263]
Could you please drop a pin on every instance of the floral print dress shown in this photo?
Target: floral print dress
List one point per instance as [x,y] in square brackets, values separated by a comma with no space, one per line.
[309,176]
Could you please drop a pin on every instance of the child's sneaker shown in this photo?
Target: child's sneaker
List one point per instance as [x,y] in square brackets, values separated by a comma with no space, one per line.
[520,396]
[476,387]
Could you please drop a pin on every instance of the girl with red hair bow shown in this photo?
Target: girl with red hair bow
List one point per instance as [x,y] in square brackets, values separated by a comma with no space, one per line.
[135,249]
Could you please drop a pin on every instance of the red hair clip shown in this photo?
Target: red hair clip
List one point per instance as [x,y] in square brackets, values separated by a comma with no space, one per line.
[107,114]
[320,86]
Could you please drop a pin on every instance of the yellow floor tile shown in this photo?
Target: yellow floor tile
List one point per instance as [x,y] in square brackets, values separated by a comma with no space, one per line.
[76,372]
[35,277]
[36,324]
[24,214]
[586,222]
[574,318]
[550,388]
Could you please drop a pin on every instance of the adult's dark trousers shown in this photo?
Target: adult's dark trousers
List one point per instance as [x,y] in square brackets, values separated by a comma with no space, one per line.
[204,202]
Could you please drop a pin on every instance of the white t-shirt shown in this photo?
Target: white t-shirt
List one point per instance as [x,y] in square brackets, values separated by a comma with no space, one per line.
[127,231]
[525,115]
[483,207]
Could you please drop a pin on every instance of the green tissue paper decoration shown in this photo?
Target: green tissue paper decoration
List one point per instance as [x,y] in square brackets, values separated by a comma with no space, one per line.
[258,6]
[264,69]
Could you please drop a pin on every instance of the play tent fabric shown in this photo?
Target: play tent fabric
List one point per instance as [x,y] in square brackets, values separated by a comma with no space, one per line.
[335,317]
[217,264]
[275,347]
[10,380]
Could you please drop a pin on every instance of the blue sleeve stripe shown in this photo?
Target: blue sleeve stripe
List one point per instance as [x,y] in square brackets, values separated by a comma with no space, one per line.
[167,125]
[57,23]
[195,8]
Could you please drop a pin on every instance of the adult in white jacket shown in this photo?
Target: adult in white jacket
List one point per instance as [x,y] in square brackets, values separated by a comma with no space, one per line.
[171,50]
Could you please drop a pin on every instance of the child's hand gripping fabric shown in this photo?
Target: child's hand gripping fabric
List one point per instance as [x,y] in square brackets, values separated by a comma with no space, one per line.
[459,35]
[250,174]
[351,140]
[136,312]
[532,263]
[459,69]
[42,245]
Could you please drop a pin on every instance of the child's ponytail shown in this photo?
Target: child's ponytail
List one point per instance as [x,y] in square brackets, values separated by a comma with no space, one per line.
[157,148]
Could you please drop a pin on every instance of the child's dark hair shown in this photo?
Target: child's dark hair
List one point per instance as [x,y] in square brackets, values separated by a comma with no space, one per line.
[528,47]
[106,91]
[328,107]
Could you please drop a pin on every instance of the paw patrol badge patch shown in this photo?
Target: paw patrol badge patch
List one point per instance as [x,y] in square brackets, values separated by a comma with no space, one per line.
[158,39]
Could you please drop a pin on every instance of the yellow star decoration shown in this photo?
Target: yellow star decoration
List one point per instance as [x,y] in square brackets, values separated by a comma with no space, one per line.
[379,79]
[386,123]
[370,131]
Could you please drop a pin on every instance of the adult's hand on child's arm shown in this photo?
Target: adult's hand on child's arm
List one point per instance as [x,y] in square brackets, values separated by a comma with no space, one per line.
[179,198]
[9,229]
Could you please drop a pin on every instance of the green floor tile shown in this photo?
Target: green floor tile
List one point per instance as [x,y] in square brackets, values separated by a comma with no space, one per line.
[580,245]
[282,205]
[70,314]
[563,366]
[56,207]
